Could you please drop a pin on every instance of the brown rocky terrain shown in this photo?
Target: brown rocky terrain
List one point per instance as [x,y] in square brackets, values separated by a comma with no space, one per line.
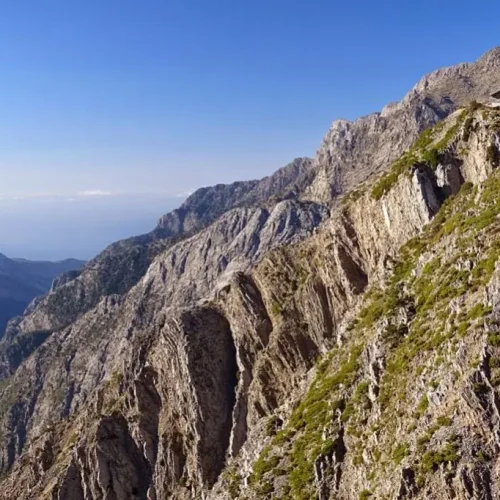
[285,343]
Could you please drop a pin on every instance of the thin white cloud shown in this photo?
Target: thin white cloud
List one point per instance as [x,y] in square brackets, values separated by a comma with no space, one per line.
[185,194]
[95,192]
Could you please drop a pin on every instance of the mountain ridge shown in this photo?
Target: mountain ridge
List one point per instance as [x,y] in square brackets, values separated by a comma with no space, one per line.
[177,381]
[352,152]
[22,280]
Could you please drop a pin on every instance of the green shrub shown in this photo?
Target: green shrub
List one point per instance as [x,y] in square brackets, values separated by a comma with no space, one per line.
[387,181]
[272,425]
[431,157]
[276,309]
[264,464]
[433,459]
[422,406]
[444,421]
[494,339]
[400,452]
[327,447]
[478,311]
[233,479]
[423,440]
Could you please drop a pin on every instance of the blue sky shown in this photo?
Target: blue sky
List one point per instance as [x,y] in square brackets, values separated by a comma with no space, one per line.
[134,97]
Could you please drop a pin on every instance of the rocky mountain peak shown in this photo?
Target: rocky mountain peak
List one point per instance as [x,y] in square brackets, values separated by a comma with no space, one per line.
[491,58]
[206,204]
[353,152]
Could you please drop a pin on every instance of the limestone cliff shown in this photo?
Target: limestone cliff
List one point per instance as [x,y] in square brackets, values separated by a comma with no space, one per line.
[404,403]
[353,152]
[278,347]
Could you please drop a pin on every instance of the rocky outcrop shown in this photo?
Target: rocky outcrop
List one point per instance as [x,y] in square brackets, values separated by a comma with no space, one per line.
[206,204]
[354,152]
[321,448]
[118,268]
[72,363]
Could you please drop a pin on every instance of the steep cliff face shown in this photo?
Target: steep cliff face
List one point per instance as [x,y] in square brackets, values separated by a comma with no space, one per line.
[64,374]
[353,152]
[393,409]
[201,379]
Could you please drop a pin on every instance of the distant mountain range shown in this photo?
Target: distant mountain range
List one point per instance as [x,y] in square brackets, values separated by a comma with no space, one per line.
[22,280]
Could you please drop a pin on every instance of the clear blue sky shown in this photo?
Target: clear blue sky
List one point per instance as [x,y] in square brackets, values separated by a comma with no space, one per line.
[129,95]
[164,96]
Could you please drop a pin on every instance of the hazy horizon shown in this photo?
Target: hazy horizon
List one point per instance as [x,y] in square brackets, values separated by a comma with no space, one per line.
[55,228]
[104,103]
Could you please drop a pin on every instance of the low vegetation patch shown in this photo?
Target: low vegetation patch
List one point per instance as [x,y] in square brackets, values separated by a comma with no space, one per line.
[426,149]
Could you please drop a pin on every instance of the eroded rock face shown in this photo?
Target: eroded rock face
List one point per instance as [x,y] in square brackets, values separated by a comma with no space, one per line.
[353,152]
[72,364]
[238,239]
[159,433]
[118,268]
[183,273]
[425,440]
[165,387]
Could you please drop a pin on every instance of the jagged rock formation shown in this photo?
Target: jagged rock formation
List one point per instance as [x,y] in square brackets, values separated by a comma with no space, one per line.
[22,280]
[353,152]
[116,270]
[182,364]
[406,406]
[206,204]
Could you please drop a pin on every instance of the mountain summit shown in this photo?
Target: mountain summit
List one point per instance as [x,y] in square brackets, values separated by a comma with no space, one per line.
[353,152]
[330,331]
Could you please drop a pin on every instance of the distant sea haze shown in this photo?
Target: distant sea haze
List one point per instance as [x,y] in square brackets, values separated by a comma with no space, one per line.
[58,228]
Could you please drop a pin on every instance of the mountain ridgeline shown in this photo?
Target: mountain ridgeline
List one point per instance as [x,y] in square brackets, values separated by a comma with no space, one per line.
[23,280]
[330,331]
